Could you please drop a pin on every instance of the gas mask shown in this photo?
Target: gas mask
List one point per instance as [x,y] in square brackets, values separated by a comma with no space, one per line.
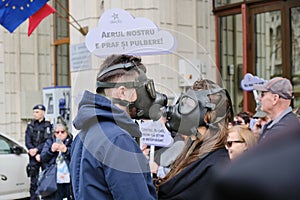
[148,102]
[189,111]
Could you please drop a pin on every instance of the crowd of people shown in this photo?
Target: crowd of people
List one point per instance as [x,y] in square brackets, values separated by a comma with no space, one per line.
[216,154]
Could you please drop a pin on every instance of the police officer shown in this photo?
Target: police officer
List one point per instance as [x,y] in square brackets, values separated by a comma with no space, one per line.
[37,132]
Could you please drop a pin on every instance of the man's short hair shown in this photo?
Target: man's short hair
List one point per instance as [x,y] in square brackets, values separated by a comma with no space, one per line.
[118,59]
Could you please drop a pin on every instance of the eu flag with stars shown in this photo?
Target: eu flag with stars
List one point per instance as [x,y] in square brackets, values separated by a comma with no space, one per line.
[15,12]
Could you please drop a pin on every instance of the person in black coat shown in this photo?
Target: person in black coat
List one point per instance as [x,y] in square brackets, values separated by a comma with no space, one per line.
[37,132]
[202,114]
[57,151]
[270,171]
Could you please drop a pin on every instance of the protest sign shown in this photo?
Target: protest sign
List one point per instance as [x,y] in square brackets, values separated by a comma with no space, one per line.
[118,32]
[250,80]
[154,133]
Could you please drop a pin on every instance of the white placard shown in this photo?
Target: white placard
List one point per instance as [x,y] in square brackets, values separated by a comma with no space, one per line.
[250,80]
[80,57]
[154,133]
[118,32]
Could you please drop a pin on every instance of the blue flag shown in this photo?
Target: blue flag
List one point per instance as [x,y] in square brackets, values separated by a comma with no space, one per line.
[15,12]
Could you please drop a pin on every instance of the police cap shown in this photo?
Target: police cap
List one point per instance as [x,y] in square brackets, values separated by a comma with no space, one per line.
[39,107]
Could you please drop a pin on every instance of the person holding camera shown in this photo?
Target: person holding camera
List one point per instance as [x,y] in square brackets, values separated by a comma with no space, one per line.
[37,132]
[57,151]
[202,114]
[107,162]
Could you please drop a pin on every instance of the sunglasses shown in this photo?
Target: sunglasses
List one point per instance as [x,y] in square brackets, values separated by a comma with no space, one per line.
[62,132]
[229,143]
[238,122]
[262,94]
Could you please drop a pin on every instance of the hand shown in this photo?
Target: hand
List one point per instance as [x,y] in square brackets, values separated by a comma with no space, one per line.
[146,151]
[38,157]
[58,147]
[153,167]
[55,147]
[62,147]
[33,152]
[257,129]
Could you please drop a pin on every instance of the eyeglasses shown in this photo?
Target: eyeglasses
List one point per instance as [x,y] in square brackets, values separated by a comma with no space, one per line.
[263,93]
[62,132]
[229,143]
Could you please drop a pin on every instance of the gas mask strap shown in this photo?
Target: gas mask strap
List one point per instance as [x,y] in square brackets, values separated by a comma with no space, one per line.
[194,131]
[218,119]
[125,66]
[115,85]
[121,102]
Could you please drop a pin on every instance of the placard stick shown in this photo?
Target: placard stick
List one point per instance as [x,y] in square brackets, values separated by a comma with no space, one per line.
[152,149]
[255,96]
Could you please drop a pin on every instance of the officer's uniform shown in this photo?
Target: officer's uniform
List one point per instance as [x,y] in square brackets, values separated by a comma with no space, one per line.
[36,135]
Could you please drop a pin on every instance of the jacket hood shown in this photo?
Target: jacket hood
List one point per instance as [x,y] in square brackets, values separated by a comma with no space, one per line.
[94,108]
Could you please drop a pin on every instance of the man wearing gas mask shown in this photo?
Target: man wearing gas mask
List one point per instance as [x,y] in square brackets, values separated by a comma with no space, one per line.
[107,163]
[202,113]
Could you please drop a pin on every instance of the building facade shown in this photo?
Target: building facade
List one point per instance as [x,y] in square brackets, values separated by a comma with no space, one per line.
[210,36]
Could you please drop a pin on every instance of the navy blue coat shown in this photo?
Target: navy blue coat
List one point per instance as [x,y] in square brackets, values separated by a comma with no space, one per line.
[48,157]
[106,161]
[269,171]
[36,135]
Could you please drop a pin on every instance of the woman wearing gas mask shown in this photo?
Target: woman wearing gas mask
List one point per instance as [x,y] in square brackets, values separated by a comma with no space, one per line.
[202,114]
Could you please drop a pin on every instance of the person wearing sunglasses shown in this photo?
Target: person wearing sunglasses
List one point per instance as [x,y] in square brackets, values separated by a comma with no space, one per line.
[57,151]
[275,98]
[202,114]
[241,118]
[239,139]
[107,162]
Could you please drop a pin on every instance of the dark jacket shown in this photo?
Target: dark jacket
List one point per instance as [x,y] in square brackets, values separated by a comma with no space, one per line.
[270,171]
[287,121]
[194,182]
[106,162]
[49,157]
[36,135]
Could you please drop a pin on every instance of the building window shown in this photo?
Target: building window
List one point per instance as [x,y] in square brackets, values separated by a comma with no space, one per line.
[269,39]
[295,40]
[218,3]
[232,57]
[61,43]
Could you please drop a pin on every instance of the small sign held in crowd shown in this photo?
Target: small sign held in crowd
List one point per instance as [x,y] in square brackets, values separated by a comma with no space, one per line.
[154,133]
[250,80]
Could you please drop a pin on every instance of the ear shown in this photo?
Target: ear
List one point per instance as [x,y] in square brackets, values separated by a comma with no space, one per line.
[275,98]
[121,91]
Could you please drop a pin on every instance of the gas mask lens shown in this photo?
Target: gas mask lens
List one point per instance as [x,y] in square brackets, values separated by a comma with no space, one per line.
[186,105]
[150,88]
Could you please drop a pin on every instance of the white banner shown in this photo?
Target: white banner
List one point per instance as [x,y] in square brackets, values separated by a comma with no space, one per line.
[118,32]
